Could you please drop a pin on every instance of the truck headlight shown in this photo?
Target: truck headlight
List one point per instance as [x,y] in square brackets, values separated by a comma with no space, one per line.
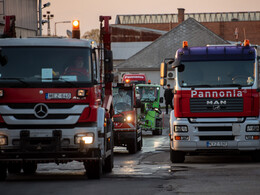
[129,118]
[87,138]
[3,140]
[252,128]
[180,128]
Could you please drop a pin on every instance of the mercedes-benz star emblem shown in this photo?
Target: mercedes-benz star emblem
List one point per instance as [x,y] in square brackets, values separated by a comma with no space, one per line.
[41,110]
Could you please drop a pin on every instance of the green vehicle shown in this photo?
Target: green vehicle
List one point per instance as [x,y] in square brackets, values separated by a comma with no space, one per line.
[149,116]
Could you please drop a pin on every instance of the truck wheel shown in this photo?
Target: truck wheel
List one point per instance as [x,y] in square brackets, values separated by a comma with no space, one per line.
[29,168]
[256,156]
[3,172]
[158,126]
[14,168]
[109,161]
[140,144]
[132,148]
[93,169]
[177,156]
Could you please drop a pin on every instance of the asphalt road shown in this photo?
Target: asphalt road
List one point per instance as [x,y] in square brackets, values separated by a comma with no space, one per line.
[146,172]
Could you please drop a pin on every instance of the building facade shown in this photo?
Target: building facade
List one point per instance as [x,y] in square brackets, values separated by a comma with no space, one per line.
[231,26]
[25,12]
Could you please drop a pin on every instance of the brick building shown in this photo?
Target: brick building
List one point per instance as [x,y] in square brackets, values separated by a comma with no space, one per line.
[231,26]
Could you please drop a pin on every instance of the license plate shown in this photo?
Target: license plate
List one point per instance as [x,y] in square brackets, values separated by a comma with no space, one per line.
[58,96]
[211,144]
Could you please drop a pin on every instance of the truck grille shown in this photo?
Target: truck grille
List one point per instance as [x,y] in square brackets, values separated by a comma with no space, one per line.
[215,128]
[31,105]
[42,114]
[205,138]
[216,105]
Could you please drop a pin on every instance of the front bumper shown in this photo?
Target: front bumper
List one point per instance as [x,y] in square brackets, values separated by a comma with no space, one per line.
[214,136]
[47,145]
[124,136]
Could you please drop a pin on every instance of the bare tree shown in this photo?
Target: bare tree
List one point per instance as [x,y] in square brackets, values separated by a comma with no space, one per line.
[93,34]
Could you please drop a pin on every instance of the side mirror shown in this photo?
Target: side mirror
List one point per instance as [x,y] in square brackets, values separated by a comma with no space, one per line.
[163,70]
[138,103]
[161,99]
[163,82]
[158,110]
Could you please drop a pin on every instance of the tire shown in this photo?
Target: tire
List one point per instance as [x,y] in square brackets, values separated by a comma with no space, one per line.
[14,168]
[158,127]
[93,169]
[109,164]
[132,148]
[140,144]
[109,161]
[3,172]
[177,156]
[29,168]
[256,156]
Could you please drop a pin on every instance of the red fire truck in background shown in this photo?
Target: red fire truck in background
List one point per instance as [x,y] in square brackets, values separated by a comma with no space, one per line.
[134,78]
[127,133]
[216,101]
[49,114]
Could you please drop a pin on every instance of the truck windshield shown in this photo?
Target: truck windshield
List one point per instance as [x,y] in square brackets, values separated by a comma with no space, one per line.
[38,66]
[148,93]
[217,74]
[122,99]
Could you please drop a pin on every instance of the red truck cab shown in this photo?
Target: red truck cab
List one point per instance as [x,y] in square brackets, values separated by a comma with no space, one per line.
[127,133]
[216,101]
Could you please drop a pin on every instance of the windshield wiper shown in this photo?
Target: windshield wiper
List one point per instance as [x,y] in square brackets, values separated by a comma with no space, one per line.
[17,79]
[200,86]
[231,85]
[66,81]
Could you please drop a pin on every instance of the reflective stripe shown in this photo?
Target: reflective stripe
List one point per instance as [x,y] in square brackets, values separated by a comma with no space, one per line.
[10,120]
[131,125]
[108,134]
[77,109]
[108,153]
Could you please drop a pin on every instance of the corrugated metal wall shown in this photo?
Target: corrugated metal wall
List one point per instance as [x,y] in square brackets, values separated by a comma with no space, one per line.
[26,15]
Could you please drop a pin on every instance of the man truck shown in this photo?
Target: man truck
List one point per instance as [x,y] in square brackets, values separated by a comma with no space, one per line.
[216,101]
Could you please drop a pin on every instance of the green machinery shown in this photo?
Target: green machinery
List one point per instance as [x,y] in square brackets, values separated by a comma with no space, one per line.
[149,115]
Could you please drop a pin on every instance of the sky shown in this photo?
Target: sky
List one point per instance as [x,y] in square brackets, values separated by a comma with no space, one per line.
[88,11]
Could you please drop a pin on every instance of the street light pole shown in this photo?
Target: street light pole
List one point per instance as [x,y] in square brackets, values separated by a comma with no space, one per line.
[40,17]
[40,14]
[58,23]
[49,16]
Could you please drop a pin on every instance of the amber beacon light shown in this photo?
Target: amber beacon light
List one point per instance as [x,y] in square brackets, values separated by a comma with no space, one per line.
[75,29]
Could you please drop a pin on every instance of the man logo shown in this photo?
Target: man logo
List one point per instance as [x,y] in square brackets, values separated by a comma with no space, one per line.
[216,102]
[216,107]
